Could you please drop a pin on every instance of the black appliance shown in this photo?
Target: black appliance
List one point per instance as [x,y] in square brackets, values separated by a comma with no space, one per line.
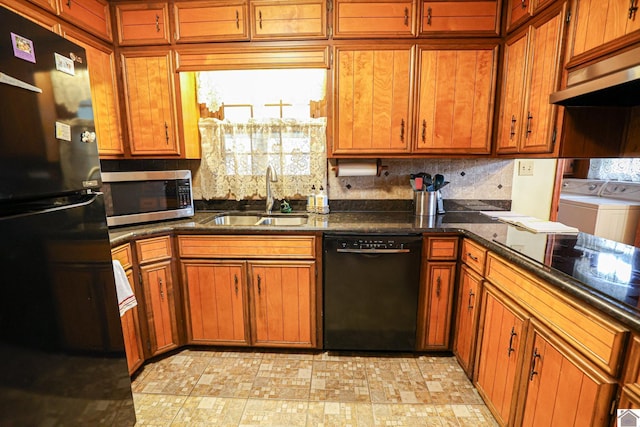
[61,344]
[371,286]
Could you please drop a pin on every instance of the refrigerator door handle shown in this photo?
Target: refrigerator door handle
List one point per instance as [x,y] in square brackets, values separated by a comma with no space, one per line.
[86,199]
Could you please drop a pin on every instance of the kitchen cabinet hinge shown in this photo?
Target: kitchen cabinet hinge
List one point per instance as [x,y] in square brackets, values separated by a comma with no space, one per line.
[568,17]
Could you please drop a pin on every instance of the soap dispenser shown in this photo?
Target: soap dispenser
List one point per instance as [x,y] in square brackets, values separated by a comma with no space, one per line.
[322,202]
[311,200]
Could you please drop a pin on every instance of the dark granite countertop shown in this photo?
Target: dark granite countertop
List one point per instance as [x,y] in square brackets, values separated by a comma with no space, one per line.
[600,272]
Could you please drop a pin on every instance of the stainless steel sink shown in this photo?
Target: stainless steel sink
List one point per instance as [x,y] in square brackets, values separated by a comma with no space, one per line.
[258,220]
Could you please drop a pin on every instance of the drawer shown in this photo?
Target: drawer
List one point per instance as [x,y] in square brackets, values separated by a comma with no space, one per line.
[154,249]
[441,248]
[247,247]
[123,254]
[600,338]
[473,255]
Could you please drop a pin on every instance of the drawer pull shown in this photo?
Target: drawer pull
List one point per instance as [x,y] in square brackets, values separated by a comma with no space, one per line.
[470,306]
[533,372]
[235,282]
[260,18]
[161,290]
[259,283]
[429,16]
[424,131]
[633,8]
[524,4]
[513,334]
[157,23]
[166,132]
[406,16]
[529,118]
[474,258]
[69,4]
[512,131]
[402,130]
[438,282]
[237,20]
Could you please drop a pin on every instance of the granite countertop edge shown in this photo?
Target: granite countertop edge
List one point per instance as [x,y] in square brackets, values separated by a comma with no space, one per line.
[406,222]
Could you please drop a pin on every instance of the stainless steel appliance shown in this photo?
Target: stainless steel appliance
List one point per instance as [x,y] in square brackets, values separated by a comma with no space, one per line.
[61,345]
[371,285]
[135,197]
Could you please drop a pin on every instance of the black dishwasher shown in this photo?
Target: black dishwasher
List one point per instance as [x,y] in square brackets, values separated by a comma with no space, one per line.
[370,292]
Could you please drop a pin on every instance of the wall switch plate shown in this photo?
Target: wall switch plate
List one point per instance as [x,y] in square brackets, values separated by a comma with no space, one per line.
[525,168]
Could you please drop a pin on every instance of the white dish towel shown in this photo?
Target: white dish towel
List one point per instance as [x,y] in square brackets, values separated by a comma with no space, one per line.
[126,298]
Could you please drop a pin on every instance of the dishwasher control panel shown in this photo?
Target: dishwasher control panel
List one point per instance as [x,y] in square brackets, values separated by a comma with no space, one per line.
[374,243]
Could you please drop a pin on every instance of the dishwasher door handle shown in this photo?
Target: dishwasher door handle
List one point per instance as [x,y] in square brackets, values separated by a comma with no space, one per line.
[374,251]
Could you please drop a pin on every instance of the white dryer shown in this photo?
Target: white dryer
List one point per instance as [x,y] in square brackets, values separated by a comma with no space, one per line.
[609,209]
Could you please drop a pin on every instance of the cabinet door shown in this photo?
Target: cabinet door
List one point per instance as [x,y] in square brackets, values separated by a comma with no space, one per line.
[288,19]
[36,14]
[500,355]
[207,21]
[215,302]
[131,333]
[455,101]
[90,15]
[460,16]
[440,277]
[509,122]
[372,106]
[283,303]
[150,101]
[599,22]
[104,97]
[467,309]
[159,297]
[539,119]
[142,23]
[374,18]
[562,389]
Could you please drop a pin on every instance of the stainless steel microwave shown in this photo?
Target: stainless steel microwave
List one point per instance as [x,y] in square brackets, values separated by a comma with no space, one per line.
[136,197]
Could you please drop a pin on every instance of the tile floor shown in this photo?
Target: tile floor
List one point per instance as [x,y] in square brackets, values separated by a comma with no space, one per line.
[249,388]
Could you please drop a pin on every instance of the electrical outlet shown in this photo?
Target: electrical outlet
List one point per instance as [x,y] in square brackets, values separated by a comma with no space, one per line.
[525,168]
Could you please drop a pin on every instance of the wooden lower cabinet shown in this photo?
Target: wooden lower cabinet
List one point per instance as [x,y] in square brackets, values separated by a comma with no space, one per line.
[216,302]
[500,354]
[439,285]
[283,303]
[467,310]
[131,333]
[562,387]
[160,303]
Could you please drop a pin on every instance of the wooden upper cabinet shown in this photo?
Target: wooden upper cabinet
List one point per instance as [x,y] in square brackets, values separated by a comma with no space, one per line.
[288,19]
[150,102]
[460,16]
[605,25]
[104,96]
[48,5]
[455,100]
[90,15]
[375,18]
[519,11]
[142,23]
[206,21]
[372,105]
[532,71]
[35,14]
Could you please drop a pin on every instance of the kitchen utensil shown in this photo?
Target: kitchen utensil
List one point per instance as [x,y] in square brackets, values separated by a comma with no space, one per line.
[438,180]
[418,183]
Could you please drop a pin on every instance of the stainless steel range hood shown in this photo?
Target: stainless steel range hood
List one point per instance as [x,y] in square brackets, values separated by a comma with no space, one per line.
[613,81]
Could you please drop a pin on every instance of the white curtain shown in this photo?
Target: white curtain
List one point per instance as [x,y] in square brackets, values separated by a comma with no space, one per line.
[236,156]
[615,169]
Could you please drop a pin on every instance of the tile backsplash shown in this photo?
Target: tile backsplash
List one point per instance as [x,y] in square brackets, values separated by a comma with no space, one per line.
[486,179]
[469,179]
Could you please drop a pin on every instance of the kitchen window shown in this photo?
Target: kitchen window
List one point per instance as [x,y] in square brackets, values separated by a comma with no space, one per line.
[254,118]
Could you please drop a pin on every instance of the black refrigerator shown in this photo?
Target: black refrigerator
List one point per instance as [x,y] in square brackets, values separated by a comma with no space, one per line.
[62,359]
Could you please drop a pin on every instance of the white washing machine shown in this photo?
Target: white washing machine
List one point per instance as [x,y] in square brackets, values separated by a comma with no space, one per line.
[609,209]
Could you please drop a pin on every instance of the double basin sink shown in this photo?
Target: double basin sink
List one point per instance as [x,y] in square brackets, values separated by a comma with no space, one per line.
[258,219]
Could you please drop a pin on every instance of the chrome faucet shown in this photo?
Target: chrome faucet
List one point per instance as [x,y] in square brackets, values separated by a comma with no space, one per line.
[271,176]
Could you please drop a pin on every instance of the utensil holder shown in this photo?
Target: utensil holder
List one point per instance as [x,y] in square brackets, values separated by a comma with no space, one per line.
[426,203]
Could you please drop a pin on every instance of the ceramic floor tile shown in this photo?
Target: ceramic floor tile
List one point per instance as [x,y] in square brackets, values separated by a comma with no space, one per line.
[274,413]
[340,414]
[406,415]
[340,381]
[283,379]
[396,380]
[163,382]
[227,377]
[156,409]
[210,411]
[466,415]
